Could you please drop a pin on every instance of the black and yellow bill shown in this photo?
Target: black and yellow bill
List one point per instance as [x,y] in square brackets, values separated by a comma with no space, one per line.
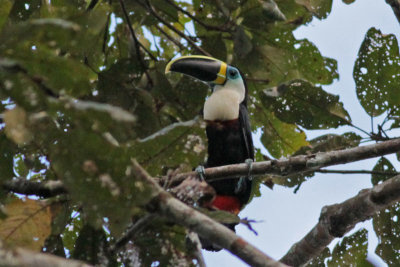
[204,68]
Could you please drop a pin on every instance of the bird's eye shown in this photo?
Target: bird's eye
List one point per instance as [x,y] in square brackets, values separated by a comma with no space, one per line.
[232,73]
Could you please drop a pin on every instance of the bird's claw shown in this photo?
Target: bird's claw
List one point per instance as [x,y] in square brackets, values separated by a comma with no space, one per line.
[201,172]
[241,185]
[249,163]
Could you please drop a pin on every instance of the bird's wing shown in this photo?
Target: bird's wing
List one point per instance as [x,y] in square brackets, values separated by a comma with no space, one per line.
[246,130]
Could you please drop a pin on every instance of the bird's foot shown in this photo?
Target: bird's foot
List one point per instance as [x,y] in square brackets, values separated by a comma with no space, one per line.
[201,172]
[241,185]
[249,163]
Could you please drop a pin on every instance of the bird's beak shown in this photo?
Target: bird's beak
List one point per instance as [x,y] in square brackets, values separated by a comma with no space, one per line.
[206,69]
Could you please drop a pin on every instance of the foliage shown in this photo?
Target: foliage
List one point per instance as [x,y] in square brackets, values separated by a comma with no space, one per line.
[80,98]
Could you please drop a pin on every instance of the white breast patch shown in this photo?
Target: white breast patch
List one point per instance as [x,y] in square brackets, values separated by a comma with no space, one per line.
[222,105]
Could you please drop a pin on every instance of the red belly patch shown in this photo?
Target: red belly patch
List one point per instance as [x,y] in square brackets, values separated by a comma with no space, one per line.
[227,203]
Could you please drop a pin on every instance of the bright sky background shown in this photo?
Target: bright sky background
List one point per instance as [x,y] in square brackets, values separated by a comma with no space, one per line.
[287,217]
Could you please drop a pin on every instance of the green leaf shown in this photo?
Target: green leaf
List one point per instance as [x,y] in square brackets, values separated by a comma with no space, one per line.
[319,261]
[222,216]
[280,138]
[178,143]
[215,45]
[279,57]
[318,8]
[385,222]
[164,244]
[72,230]
[377,73]
[96,170]
[330,142]
[24,9]
[60,74]
[91,246]
[271,9]
[5,8]
[7,148]
[166,8]
[383,165]
[20,167]
[351,251]
[299,102]
[242,43]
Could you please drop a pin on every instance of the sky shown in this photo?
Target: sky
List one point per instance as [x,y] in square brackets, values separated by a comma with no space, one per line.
[286,217]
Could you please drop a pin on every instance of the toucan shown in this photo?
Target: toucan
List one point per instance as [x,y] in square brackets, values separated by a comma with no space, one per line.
[227,125]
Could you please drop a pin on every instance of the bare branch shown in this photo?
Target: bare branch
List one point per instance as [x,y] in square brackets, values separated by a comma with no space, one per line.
[131,232]
[173,209]
[358,172]
[42,189]
[395,4]
[338,219]
[22,257]
[169,37]
[282,167]
[297,164]
[163,21]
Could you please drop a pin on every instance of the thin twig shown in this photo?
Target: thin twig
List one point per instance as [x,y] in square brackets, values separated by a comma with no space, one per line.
[136,41]
[358,172]
[131,232]
[169,37]
[163,21]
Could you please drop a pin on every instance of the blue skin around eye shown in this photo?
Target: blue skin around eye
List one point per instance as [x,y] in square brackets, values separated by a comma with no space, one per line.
[233,73]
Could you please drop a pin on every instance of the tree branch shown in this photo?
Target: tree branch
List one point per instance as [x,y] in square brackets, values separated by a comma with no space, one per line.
[22,257]
[135,40]
[41,189]
[169,37]
[296,164]
[338,219]
[131,232]
[395,4]
[163,21]
[173,209]
[282,167]
[358,172]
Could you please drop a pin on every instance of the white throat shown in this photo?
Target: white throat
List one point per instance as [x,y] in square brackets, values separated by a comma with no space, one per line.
[224,102]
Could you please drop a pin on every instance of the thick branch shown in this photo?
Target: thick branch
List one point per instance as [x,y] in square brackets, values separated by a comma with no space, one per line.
[338,219]
[282,167]
[297,164]
[173,209]
[22,257]
[42,189]
[395,4]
